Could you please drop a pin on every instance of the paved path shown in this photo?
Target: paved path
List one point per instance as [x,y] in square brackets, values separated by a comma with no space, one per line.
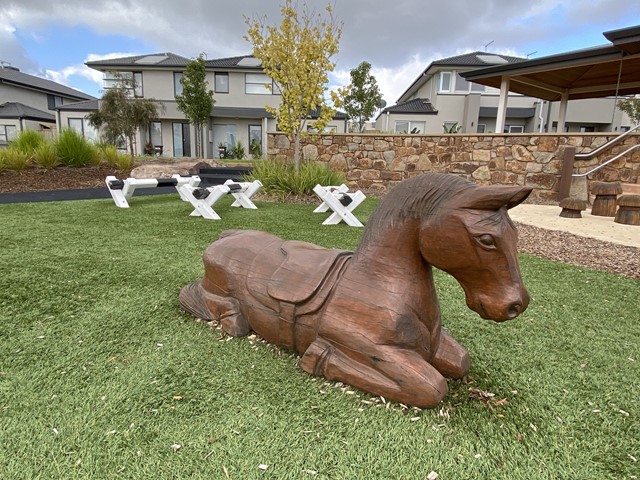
[602,228]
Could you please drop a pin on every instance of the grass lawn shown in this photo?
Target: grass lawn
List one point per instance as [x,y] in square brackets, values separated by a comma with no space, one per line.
[103,376]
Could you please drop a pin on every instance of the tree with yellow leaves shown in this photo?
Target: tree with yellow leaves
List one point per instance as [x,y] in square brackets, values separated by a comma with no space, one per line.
[297,57]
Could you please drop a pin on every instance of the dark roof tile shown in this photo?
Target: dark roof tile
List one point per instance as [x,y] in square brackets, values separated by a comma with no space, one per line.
[15,77]
[16,110]
[153,60]
[420,106]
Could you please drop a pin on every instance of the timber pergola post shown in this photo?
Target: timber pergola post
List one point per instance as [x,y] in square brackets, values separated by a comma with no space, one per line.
[502,104]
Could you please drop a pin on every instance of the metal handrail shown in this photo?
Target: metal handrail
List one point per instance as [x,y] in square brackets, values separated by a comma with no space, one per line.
[598,167]
[606,146]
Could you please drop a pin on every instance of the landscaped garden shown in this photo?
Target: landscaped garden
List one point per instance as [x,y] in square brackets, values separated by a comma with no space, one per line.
[103,376]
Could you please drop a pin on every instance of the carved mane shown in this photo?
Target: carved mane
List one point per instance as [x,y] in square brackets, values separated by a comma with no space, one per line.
[419,197]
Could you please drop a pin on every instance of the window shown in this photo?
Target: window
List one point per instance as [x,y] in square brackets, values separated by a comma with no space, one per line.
[587,128]
[461,84]
[260,84]
[255,140]
[224,135]
[222,83]
[133,81]
[327,129]
[7,133]
[625,129]
[513,128]
[181,139]
[445,82]
[482,127]
[155,134]
[177,84]
[451,127]
[54,101]
[406,126]
[84,128]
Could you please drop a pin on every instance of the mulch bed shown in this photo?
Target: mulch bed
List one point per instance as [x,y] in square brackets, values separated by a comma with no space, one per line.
[60,178]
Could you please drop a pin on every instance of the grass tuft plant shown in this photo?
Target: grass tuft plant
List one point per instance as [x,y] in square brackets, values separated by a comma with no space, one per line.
[45,156]
[28,141]
[111,155]
[14,159]
[73,149]
[281,180]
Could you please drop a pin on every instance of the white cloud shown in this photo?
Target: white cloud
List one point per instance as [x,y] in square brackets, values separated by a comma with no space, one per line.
[398,38]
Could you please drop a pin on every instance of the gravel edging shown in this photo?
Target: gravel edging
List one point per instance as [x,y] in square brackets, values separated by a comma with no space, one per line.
[580,251]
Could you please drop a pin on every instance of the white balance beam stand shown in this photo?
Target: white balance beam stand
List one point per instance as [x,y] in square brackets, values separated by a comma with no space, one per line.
[341,202]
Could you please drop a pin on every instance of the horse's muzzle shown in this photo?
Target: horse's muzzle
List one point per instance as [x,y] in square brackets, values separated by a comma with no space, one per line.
[491,310]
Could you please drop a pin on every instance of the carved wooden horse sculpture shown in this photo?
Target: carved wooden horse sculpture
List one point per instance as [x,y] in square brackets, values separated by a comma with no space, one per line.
[370,318]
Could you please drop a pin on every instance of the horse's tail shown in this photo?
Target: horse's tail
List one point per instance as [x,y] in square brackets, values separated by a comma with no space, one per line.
[192,300]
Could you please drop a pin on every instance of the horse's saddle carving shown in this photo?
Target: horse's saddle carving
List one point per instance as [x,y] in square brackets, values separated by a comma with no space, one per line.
[303,270]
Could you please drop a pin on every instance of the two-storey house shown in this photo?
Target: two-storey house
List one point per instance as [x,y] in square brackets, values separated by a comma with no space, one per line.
[441,100]
[241,92]
[29,103]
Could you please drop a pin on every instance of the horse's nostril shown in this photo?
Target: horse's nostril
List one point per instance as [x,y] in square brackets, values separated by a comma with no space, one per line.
[514,310]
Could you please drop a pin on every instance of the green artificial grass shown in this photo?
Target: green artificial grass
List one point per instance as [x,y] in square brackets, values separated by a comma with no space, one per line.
[103,376]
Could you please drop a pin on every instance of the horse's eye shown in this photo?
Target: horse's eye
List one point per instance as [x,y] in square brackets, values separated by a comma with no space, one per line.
[486,241]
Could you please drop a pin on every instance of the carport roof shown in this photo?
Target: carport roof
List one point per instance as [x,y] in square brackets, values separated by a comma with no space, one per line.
[602,71]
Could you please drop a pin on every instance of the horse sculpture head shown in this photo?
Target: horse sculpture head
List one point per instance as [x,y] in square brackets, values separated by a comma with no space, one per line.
[463,229]
[474,240]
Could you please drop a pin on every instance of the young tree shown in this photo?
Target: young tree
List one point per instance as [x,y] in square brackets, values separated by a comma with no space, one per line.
[631,106]
[121,115]
[363,97]
[196,100]
[297,56]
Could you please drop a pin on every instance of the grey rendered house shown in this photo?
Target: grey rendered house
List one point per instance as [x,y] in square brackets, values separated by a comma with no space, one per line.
[238,115]
[29,103]
[440,100]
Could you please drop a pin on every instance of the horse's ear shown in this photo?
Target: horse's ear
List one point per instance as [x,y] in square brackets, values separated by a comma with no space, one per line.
[494,197]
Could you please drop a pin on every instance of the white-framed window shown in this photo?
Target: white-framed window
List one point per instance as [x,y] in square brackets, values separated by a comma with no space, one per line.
[132,79]
[327,129]
[514,129]
[221,82]
[260,84]
[481,128]
[7,133]
[177,84]
[451,127]
[452,81]
[444,82]
[84,128]
[408,126]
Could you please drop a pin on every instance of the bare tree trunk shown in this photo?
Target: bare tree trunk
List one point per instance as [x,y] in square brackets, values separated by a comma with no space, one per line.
[131,140]
[296,152]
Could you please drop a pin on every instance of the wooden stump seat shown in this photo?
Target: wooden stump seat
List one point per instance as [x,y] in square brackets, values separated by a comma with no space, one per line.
[628,210]
[571,207]
[606,194]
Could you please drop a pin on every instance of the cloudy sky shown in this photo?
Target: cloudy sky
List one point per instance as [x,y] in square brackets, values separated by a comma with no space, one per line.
[399,38]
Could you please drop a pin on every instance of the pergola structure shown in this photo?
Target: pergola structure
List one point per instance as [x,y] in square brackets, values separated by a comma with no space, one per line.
[611,70]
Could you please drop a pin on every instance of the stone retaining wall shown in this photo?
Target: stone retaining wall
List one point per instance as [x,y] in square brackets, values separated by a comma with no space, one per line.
[381,161]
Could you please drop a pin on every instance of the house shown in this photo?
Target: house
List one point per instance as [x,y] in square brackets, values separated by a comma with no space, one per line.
[240,89]
[28,102]
[441,100]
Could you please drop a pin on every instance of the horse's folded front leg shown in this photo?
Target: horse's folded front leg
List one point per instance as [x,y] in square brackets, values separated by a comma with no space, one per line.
[394,373]
[451,358]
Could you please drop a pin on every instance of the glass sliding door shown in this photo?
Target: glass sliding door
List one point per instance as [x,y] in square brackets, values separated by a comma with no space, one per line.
[181,140]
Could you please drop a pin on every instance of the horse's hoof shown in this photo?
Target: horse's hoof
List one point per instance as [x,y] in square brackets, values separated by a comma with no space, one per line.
[235,325]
